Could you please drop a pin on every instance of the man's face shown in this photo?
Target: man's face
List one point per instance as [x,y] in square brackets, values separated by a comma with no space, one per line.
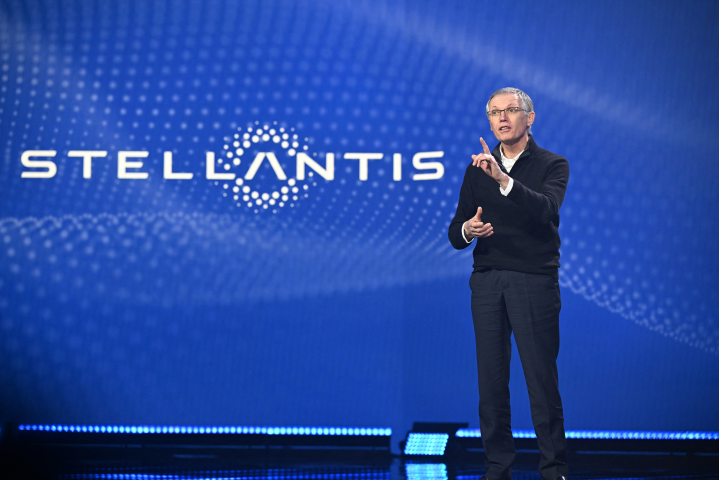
[509,128]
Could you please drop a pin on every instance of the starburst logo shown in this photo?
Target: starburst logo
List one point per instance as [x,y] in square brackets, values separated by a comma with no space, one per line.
[259,190]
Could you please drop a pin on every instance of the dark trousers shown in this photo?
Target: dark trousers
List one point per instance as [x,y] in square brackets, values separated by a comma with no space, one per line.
[506,302]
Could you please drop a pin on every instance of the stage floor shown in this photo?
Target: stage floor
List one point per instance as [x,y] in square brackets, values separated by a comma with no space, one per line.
[222,464]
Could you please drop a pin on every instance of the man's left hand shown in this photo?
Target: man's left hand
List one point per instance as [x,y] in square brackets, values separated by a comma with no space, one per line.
[486,162]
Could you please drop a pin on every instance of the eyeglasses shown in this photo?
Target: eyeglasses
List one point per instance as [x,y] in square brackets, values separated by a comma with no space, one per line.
[510,110]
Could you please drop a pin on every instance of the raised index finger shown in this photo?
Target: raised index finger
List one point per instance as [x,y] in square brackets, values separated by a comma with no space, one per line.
[486,148]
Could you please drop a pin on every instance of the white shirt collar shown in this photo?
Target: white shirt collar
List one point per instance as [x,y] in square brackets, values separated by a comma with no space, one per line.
[509,162]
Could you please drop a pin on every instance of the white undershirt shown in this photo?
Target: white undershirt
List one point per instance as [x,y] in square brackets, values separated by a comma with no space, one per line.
[508,164]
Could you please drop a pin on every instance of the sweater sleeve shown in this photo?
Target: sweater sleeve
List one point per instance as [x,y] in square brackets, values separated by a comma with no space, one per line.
[465,211]
[543,206]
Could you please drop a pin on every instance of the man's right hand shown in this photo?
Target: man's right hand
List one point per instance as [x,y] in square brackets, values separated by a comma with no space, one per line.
[475,228]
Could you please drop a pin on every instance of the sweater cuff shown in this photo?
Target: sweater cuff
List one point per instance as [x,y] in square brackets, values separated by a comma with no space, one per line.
[505,191]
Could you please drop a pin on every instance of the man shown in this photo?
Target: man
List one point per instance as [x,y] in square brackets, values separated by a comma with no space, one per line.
[509,207]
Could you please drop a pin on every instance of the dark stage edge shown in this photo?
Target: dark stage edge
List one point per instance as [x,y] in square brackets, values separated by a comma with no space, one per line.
[171,462]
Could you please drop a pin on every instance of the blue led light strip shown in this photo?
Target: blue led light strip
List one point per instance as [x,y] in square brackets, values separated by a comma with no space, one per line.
[277,474]
[426,443]
[606,434]
[233,430]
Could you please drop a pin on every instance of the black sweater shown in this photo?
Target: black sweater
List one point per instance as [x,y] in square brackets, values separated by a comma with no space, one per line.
[525,222]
